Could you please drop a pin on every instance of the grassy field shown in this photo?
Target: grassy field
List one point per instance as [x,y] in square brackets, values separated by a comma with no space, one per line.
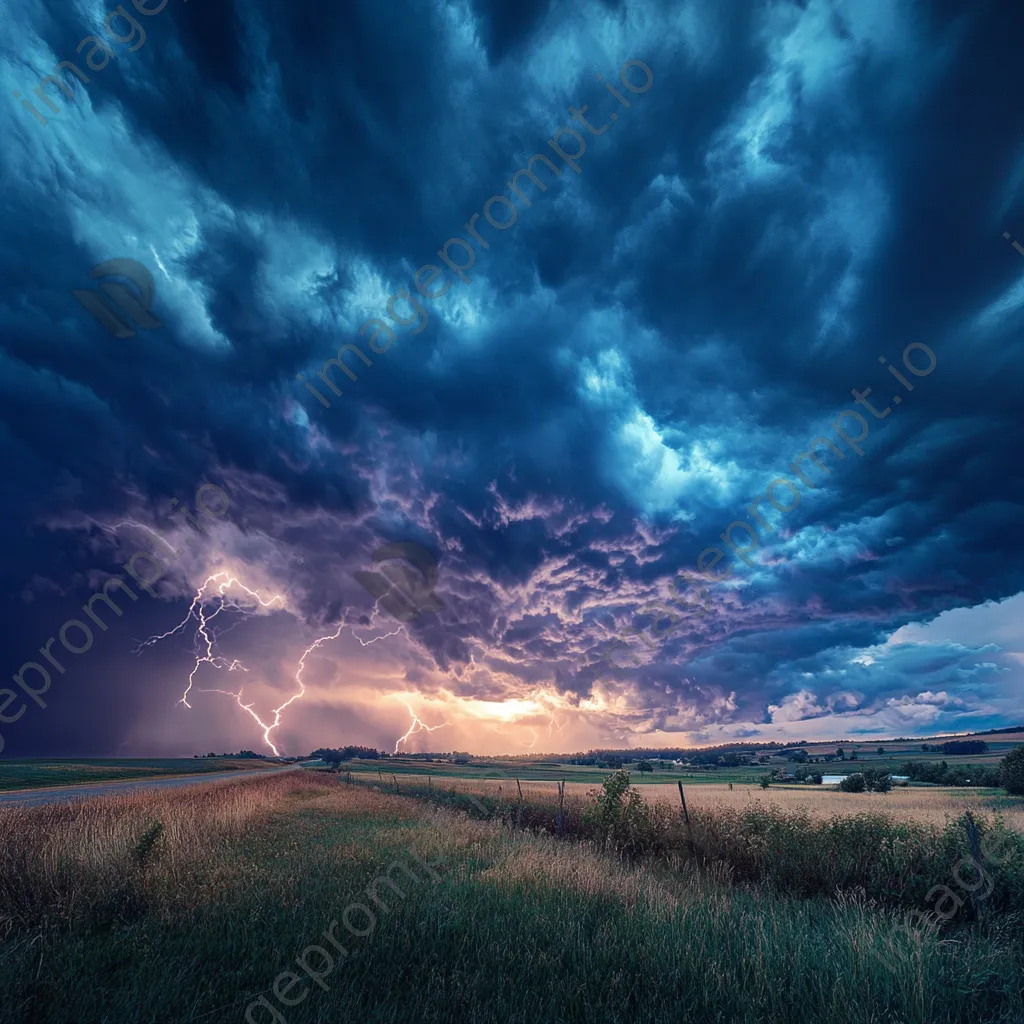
[926,803]
[106,917]
[931,804]
[894,756]
[37,773]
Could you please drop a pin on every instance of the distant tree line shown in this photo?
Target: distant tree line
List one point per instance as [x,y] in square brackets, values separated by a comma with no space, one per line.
[956,747]
[338,754]
[943,774]
[241,753]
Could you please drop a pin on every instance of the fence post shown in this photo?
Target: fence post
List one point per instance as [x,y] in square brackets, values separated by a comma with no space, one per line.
[974,838]
[686,817]
[395,778]
[561,802]
[519,813]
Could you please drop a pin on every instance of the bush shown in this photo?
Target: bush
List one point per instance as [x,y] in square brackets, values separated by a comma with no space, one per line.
[853,783]
[1011,772]
[626,822]
[877,781]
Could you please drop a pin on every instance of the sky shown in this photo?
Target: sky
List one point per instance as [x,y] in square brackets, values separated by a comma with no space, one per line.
[772,208]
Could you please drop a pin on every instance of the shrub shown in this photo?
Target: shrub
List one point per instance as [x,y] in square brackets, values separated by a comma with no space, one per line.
[626,822]
[1011,772]
[876,780]
[853,783]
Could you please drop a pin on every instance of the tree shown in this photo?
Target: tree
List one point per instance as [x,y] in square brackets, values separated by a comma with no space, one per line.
[853,783]
[1011,772]
[964,747]
[925,748]
[645,766]
[840,753]
[881,750]
[876,780]
[816,778]
[766,781]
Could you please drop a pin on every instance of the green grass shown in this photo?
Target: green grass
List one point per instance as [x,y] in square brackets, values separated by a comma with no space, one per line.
[529,771]
[37,773]
[521,928]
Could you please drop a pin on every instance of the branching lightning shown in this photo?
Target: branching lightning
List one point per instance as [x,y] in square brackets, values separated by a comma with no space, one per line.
[417,725]
[215,589]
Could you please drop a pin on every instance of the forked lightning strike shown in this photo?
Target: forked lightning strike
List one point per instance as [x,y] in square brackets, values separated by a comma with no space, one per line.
[206,638]
[417,725]
[277,711]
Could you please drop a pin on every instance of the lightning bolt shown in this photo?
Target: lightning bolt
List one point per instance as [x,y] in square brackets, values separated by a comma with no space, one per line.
[394,632]
[215,589]
[197,610]
[417,725]
[267,729]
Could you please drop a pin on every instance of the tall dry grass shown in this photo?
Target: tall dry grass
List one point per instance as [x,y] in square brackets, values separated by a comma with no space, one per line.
[125,854]
[932,806]
[891,859]
[194,922]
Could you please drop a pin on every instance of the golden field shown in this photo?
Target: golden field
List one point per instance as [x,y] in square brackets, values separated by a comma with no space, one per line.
[931,805]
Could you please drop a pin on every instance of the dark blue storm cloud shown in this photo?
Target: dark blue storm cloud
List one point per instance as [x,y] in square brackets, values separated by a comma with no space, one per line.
[573,386]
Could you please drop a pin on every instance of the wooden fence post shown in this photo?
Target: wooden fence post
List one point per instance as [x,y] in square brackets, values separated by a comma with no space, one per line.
[686,817]
[561,802]
[519,813]
[974,838]
[395,778]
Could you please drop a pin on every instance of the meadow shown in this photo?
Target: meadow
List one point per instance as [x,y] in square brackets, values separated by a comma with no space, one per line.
[41,773]
[931,804]
[185,906]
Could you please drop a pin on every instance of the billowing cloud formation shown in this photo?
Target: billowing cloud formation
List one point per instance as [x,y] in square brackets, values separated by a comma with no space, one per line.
[807,200]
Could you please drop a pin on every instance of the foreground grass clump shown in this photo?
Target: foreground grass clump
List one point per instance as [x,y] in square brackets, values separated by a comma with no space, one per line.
[241,877]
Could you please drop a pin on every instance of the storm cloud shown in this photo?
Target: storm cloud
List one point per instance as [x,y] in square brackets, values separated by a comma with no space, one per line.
[804,190]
